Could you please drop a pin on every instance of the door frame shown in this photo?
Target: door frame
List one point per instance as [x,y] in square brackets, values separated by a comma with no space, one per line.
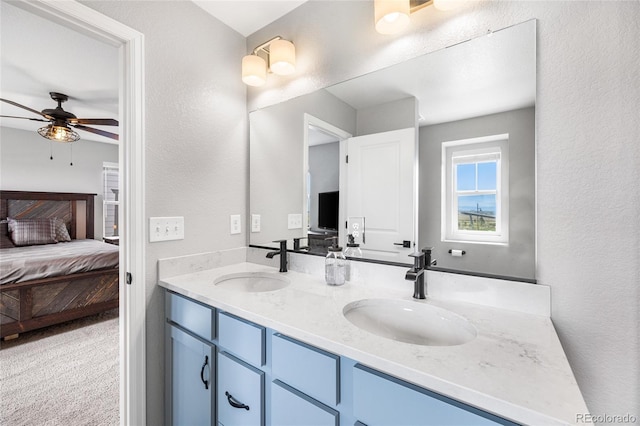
[342,136]
[130,43]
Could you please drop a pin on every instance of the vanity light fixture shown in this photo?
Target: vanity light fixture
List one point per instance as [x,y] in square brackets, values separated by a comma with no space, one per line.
[281,57]
[392,16]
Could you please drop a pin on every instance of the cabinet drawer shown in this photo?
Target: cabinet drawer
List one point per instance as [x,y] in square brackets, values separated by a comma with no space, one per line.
[195,317]
[290,407]
[308,369]
[242,338]
[240,392]
[379,399]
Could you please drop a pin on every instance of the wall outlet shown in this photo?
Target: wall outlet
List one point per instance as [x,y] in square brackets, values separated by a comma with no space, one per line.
[234,223]
[295,221]
[255,223]
[166,228]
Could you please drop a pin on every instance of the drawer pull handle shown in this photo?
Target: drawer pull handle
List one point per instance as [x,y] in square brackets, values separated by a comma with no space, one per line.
[234,402]
[206,382]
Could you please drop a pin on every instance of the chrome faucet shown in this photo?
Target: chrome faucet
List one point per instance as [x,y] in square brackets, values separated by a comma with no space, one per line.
[421,262]
[283,254]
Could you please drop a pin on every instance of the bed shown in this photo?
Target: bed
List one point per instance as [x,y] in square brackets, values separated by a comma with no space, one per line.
[46,284]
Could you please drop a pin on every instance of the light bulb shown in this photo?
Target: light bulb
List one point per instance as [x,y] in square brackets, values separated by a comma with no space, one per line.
[282,57]
[59,133]
[254,70]
[391,16]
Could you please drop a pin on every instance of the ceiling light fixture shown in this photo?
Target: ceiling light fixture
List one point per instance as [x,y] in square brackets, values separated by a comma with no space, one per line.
[392,16]
[58,133]
[281,57]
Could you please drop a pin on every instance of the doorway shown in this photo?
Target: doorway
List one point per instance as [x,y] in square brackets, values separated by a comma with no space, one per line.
[130,43]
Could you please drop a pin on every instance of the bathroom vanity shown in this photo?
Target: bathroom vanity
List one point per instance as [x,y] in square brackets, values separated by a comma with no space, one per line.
[249,345]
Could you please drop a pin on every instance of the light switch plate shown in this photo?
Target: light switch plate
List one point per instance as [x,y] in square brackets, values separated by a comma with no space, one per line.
[234,223]
[295,221]
[255,223]
[166,228]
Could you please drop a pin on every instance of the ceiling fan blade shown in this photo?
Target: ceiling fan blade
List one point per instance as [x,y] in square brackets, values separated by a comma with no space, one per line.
[25,107]
[96,131]
[24,118]
[95,121]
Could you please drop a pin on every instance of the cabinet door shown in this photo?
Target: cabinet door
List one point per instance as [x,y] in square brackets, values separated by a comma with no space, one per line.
[290,407]
[380,399]
[240,392]
[191,374]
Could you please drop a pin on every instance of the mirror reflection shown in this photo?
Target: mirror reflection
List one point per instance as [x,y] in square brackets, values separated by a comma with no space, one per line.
[436,151]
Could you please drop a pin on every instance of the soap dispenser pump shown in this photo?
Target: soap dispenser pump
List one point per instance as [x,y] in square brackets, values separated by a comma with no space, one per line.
[335,264]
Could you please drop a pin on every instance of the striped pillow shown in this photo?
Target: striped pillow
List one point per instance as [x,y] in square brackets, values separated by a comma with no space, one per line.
[27,232]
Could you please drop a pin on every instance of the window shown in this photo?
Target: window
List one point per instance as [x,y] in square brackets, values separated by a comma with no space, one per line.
[110,197]
[475,201]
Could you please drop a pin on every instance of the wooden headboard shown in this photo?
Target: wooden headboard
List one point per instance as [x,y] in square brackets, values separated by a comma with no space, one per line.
[65,205]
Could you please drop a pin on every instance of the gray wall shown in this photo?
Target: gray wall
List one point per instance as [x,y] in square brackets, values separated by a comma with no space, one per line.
[196,151]
[324,168]
[25,166]
[587,153]
[393,115]
[516,259]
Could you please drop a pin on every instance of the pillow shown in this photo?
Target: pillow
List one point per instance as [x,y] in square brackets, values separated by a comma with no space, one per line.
[5,241]
[27,232]
[62,233]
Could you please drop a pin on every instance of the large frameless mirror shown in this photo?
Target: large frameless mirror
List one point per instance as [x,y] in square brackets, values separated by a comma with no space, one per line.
[436,151]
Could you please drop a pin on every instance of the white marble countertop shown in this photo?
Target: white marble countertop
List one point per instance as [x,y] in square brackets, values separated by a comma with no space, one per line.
[514,368]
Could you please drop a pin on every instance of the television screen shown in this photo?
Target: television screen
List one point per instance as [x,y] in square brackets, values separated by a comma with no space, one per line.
[328,210]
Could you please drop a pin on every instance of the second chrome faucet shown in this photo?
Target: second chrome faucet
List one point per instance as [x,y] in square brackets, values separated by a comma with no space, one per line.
[421,262]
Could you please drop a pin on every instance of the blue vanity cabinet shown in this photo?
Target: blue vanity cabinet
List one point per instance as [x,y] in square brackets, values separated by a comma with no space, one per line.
[227,371]
[379,399]
[190,358]
[306,383]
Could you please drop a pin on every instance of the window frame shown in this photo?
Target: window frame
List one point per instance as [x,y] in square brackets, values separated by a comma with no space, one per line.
[107,167]
[475,150]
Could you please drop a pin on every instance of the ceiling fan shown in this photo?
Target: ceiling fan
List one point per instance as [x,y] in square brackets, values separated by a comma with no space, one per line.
[59,121]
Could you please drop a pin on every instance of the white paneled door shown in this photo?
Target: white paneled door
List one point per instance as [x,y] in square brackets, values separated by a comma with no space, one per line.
[380,188]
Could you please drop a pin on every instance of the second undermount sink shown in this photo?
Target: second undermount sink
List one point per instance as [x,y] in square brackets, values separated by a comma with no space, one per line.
[252,282]
[410,322]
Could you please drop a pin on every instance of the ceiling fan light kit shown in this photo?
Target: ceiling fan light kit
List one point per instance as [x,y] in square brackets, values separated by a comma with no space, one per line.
[58,133]
[58,129]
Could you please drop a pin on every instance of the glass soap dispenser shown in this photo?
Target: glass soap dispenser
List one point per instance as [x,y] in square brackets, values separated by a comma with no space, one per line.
[335,265]
[352,251]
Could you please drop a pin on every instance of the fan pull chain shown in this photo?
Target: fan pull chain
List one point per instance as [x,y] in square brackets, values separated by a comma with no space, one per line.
[51,150]
[71,154]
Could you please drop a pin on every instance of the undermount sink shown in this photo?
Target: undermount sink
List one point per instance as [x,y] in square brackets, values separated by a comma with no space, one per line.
[252,282]
[410,322]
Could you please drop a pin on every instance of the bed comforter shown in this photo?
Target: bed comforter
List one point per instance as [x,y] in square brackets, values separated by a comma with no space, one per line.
[21,264]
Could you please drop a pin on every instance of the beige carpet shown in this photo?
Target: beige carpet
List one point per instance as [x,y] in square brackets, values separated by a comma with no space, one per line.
[64,375]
